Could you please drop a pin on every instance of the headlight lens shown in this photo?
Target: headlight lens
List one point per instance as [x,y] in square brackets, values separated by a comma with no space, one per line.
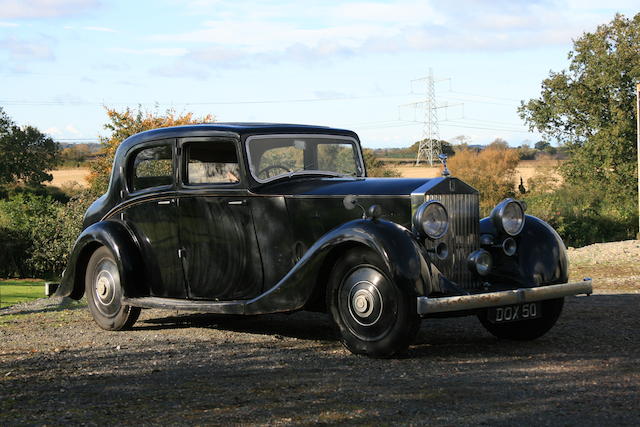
[509,217]
[432,219]
[480,262]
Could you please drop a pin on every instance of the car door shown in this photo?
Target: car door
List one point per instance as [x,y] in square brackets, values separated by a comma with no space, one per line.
[219,249]
[152,215]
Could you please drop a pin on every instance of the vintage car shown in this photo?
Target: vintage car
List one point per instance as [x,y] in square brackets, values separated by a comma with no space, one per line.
[248,219]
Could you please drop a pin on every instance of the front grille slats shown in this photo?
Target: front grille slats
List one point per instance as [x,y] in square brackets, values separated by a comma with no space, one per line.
[462,239]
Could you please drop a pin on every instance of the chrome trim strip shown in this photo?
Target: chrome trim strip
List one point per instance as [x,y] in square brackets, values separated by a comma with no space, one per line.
[428,305]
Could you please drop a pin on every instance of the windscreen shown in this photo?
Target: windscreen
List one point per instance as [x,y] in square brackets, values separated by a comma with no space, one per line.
[271,157]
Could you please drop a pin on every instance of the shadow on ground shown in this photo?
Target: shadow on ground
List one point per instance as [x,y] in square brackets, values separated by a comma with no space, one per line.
[289,369]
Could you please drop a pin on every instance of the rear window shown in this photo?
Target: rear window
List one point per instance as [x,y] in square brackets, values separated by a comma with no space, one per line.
[151,167]
[211,163]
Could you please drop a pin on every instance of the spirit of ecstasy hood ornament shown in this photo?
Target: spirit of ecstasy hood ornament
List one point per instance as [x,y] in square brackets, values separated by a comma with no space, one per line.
[443,159]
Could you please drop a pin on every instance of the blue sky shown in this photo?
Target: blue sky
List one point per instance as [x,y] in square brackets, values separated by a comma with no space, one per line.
[337,63]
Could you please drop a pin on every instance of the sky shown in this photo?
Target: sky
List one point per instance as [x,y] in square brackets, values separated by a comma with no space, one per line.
[360,65]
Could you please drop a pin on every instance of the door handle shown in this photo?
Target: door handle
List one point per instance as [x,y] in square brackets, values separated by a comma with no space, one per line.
[238,202]
[165,202]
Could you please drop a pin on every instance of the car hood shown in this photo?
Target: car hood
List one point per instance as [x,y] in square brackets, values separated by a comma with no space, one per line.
[340,186]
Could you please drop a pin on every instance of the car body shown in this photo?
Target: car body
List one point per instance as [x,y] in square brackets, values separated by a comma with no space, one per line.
[246,219]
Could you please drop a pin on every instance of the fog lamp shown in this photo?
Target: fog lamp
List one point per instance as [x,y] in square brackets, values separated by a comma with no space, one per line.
[480,262]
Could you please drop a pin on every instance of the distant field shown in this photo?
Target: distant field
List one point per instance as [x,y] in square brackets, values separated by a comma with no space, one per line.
[526,169]
[22,290]
[66,177]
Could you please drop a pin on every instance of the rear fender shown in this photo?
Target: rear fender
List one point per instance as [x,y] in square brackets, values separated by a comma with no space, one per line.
[115,236]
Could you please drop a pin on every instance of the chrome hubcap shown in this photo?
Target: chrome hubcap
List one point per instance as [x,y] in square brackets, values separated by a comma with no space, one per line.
[362,302]
[103,287]
[106,287]
[365,303]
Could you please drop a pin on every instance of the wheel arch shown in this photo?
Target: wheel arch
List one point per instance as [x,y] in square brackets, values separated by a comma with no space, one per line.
[541,257]
[122,244]
[317,301]
[395,246]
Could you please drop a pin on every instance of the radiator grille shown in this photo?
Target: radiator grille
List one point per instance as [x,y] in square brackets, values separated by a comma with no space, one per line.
[462,238]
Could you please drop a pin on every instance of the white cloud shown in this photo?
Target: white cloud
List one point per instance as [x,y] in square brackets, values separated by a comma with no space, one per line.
[8,24]
[53,131]
[318,31]
[69,131]
[100,29]
[169,51]
[20,49]
[180,69]
[34,9]
[72,129]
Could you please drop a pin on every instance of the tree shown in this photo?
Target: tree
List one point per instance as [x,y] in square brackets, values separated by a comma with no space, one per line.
[542,145]
[491,171]
[26,154]
[124,124]
[590,109]
[376,167]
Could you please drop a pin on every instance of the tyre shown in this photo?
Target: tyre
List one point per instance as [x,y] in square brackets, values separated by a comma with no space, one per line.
[373,316]
[525,330]
[104,293]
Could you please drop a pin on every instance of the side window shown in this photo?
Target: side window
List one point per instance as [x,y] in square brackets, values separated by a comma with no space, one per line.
[211,163]
[151,167]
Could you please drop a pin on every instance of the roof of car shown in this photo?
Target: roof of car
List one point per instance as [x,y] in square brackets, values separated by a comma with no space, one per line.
[240,129]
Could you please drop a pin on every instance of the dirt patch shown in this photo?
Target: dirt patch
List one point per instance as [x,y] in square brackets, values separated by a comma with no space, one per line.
[613,266]
[57,368]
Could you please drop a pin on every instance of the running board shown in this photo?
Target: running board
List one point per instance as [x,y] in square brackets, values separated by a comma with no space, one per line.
[226,307]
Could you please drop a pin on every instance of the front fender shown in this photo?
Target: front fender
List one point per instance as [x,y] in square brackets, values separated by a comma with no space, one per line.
[122,244]
[541,257]
[395,245]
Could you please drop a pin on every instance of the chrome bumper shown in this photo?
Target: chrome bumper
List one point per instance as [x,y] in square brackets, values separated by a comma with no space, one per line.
[428,305]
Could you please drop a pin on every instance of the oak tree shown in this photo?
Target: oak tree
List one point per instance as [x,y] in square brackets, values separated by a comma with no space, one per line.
[590,109]
[26,154]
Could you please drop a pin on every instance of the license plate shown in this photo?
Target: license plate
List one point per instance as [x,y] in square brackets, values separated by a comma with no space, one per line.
[514,313]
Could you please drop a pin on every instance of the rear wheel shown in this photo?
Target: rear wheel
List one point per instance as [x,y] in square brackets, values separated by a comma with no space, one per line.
[374,316]
[104,293]
[525,330]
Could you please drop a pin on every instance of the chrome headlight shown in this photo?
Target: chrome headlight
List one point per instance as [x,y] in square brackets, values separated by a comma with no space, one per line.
[432,219]
[480,262]
[508,217]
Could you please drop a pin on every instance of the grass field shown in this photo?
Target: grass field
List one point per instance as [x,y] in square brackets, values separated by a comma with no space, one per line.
[21,290]
[67,176]
[526,169]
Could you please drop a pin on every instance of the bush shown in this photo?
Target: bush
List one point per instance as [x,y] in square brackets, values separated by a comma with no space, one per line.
[53,237]
[18,217]
[491,171]
[583,217]
[376,167]
[37,233]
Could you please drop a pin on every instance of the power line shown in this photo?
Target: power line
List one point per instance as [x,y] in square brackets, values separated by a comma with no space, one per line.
[247,102]
[484,96]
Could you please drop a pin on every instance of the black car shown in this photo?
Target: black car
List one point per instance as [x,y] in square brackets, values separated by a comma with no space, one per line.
[245,218]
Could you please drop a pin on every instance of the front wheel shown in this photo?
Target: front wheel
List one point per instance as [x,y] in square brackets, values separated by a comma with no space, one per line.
[374,316]
[526,330]
[104,293]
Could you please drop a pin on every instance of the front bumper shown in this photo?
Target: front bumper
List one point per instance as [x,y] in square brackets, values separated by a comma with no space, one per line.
[428,305]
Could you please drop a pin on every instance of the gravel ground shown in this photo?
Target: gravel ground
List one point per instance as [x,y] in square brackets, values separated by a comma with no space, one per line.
[57,367]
